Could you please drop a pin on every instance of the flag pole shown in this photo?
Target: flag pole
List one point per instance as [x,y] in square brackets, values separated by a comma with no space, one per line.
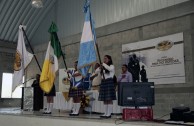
[64,60]
[65,63]
[97,49]
[94,38]
[31,49]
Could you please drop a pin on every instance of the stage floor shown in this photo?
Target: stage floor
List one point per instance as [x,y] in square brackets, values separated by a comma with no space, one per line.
[86,119]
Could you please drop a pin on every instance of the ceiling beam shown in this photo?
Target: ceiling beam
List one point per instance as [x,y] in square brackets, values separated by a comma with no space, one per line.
[32,20]
[10,16]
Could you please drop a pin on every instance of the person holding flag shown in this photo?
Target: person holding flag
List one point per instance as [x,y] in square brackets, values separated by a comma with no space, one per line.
[76,89]
[107,91]
[87,57]
[50,67]
[49,97]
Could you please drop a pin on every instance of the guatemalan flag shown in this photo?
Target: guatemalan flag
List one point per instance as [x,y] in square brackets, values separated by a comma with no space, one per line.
[87,54]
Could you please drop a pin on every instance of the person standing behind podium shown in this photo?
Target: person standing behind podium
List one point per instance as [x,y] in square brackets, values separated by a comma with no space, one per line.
[38,94]
[125,76]
[107,91]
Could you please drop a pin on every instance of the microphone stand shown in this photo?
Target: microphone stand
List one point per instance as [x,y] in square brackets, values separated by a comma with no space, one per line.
[27,80]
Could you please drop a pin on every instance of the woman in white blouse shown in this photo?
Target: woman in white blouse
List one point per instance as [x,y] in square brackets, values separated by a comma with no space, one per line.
[107,90]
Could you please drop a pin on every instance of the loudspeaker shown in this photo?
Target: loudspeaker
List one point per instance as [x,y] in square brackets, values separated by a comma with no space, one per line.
[180,110]
[177,113]
[188,116]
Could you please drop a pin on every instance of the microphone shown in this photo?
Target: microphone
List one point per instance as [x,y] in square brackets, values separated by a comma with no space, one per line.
[28,80]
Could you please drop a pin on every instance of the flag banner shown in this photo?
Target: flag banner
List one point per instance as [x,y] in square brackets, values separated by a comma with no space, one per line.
[50,65]
[87,54]
[22,59]
[162,59]
[64,82]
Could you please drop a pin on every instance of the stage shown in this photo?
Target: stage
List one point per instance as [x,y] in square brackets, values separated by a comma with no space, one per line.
[17,117]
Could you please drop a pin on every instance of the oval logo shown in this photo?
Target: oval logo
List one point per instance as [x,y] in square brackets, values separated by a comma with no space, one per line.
[17,62]
[51,59]
[164,45]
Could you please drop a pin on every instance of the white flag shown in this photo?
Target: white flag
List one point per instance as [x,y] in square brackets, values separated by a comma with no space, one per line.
[22,59]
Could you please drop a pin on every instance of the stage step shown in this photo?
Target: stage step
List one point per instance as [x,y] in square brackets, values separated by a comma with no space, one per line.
[31,120]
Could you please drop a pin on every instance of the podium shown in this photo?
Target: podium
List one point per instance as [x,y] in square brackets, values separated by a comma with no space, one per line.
[27,98]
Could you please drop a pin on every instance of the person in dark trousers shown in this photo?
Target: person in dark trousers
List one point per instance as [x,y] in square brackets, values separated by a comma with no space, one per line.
[134,67]
[143,74]
[38,94]
[130,66]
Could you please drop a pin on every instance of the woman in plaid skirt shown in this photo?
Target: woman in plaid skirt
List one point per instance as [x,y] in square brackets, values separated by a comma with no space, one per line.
[49,97]
[107,90]
[75,90]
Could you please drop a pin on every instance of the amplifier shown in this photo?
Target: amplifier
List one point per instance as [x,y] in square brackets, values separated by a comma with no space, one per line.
[177,113]
[188,116]
[180,110]
[137,114]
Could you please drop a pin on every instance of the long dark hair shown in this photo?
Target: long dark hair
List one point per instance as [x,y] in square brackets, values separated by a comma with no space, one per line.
[109,63]
[110,60]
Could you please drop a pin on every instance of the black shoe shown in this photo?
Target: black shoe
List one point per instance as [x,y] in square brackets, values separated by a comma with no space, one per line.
[102,116]
[46,112]
[107,117]
[71,114]
[76,114]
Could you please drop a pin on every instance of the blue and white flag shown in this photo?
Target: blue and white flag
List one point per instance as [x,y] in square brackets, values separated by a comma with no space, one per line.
[87,54]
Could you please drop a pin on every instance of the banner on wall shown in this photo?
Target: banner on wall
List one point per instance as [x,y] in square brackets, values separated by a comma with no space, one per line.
[162,58]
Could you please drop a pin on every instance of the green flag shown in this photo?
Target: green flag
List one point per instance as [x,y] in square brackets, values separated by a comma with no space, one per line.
[50,65]
[55,43]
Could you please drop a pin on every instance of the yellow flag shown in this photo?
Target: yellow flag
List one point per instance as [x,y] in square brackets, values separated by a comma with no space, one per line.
[50,65]
[49,69]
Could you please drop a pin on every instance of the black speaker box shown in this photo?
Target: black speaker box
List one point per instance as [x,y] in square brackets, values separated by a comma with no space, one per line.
[177,113]
[176,117]
[180,110]
[188,116]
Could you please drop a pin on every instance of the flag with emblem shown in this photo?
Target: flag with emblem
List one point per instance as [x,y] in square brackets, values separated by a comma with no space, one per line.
[50,65]
[22,59]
